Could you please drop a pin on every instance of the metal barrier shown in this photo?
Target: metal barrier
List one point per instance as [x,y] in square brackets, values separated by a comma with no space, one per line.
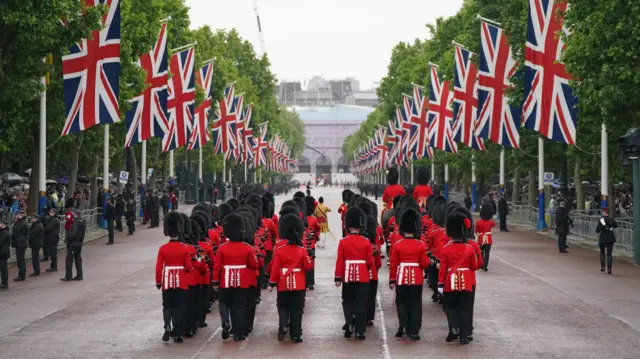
[181,198]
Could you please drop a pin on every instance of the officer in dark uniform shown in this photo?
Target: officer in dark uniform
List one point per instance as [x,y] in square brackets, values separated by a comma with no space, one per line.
[120,203]
[36,240]
[5,251]
[20,241]
[130,215]
[110,216]
[74,249]
[563,222]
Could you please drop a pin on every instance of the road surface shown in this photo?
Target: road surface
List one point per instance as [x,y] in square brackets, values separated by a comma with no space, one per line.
[533,303]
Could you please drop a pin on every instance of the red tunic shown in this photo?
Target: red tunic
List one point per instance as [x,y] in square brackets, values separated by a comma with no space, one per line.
[275,220]
[281,243]
[272,231]
[343,211]
[421,193]
[478,252]
[407,262]
[173,265]
[290,263]
[437,239]
[208,250]
[483,231]
[377,262]
[457,265]
[235,265]
[314,232]
[391,192]
[355,258]
[214,237]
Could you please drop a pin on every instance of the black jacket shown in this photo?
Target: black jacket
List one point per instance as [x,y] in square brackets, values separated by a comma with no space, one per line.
[131,210]
[605,228]
[36,234]
[20,235]
[52,231]
[120,207]
[563,221]
[5,243]
[76,234]
[110,213]
[503,208]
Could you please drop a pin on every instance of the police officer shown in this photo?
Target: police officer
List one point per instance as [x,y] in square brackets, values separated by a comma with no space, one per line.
[74,249]
[36,240]
[109,216]
[52,238]
[120,203]
[5,248]
[20,241]
[130,216]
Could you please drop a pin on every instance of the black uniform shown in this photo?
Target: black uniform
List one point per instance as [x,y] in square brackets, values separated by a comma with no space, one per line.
[5,251]
[164,203]
[20,241]
[74,249]
[130,216]
[605,227]
[110,216]
[152,206]
[503,211]
[119,213]
[51,240]
[36,240]
[563,221]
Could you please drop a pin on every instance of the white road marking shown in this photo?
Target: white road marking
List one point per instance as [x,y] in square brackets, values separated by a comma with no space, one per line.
[383,329]
[207,342]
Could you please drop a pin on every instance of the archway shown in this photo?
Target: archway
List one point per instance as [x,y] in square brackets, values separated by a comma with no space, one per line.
[323,166]
[304,165]
[343,165]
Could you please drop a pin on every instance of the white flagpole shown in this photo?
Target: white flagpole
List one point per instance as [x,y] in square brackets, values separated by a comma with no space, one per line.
[224,170]
[473,182]
[42,154]
[411,172]
[446,181]
[200,164]
[171,169]
[245,171]
[143,174]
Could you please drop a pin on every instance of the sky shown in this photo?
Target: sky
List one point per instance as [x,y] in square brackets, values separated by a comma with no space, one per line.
[330,38]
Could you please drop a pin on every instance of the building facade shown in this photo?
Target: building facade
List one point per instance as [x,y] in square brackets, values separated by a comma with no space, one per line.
[325,131]
[320,92]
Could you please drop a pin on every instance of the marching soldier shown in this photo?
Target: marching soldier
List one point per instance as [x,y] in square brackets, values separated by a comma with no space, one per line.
[290,263]
[172,267]
[233,271]
[312,234]
[456,276]
[372,234]
[406,273]
[422,191]
[346,198]
[482,230]
[355,259]
[393,189]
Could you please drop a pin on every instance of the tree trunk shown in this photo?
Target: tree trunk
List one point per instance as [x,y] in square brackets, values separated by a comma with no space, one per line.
[95,165]
[577,180]
[75,157]
[533,188]
[515,196]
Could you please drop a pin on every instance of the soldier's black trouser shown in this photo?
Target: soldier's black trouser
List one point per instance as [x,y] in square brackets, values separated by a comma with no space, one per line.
[290,304]
[354,305]
[486,250]
[372,292]
[458,308]
[235,301]
[173,307]
[409,307]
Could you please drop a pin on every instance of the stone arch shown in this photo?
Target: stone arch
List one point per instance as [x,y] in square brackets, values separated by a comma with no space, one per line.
[323,165]
[304,165]
[343,165]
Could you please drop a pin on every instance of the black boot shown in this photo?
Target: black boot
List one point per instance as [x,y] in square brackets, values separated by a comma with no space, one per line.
[464,341]
[609,263]
[601,261]
[400,332]
[166,336]
[296,340]
[225,330]
[281,334]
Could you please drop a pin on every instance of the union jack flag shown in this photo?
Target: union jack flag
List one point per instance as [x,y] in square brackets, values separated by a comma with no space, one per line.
[465,100]
[148,115]
[261,146]
[440,114]
[403,114]
[549,107]
[91,73]
[420,124]
[223,126]
[391,141]
[182,97]
[239,151]
[200,132]
[247,133]
[498,121]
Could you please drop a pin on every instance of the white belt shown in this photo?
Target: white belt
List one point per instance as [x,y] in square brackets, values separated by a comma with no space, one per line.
[401,270]
[294,270]
[227,278]
[349,263]
[459,269]
[173,267]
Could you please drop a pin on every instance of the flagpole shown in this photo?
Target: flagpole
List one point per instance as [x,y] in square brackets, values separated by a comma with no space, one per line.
[502,174]
[200,164]
[224,170]
[411,173]
[478,17]
[542,223]
[143,174]
[245,171]
[105,175]
[171,170]
[604,168]
[42,160]
[474,200]
[446,181]
[433,171]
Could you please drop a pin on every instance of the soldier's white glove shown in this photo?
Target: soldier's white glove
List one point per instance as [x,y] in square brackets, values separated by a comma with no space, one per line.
[441,291]
[438,265]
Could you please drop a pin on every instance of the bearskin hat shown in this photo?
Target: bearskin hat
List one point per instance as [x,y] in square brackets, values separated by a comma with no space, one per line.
[225,210]
[196,231]
[233,227]
[410,221]
[367,207]
[438,211]
[458,223]
[247,222]
[215,213]
[299,194]
[173,224]
[289,210]
[346,195]
[355,199]
[486,212]
[187,224]
[429,203]
[267,211]
[234,203]
[355,218]
[395,200]
[311,205]
[249,214]
[291,228]
[300,202]
[371,229]
[422,175]
[202,207]
[202,223]
[393,176]
[270,197]
[205,215]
